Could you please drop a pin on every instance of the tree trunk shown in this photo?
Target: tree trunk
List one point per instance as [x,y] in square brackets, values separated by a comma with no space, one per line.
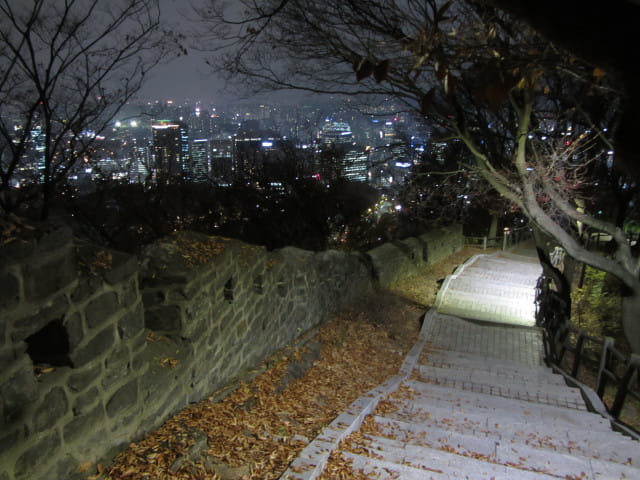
[493,229]
[631,319]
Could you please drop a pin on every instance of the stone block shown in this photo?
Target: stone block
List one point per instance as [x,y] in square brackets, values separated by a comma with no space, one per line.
[129,295]
[94,348]
[125,397]
[241,328]
[117,366]
[49,276]
[65,467]
[75,329]
[140,362]
[127,422]
[100,309]
[51,409]
[83,424]
[52,310]
[214,336]
[56,237]
[85,288]
[85,401]
[132,323]
[139,343]
[17,251]
[157,410]
[18,390]
[164,319]
[196,330]
[45,447]
[9,438]
[81,380]
[152,297]
[96,442]
[9,289]
[122,268]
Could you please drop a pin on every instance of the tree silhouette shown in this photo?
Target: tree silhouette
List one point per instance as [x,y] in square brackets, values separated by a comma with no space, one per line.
[537,121]
[67,69]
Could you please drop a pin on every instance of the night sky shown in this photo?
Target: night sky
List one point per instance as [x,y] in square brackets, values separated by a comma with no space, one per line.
[186,77]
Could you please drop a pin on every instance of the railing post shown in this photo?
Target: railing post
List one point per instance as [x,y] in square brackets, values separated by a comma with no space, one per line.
[484,242]
[578,357]
[600,386]
[623,388]
[561,336]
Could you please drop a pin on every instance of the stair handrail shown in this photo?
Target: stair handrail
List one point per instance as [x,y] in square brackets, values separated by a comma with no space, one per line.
[560,336]
[509,238]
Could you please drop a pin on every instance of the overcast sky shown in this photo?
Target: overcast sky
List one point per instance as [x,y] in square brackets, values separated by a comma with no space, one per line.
[190,78]
[186,77]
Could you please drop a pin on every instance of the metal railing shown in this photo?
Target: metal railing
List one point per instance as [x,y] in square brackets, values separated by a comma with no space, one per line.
[571,351]
[509,238]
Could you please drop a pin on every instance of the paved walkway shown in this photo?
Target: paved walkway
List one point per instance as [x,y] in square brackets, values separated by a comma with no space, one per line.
[472,400]
[497,288]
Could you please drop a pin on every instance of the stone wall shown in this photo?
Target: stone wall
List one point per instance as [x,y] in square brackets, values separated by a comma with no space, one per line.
[396,260]
[71,340]
[97,347]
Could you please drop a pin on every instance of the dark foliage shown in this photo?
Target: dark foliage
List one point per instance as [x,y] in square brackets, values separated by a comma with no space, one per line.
[127,217]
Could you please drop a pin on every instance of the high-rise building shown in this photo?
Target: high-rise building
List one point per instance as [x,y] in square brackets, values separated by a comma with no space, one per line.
[199,167]
[356,165]
[200,123]
[253,148]
[36,147]
[335,133]
[170,150]
[222,168]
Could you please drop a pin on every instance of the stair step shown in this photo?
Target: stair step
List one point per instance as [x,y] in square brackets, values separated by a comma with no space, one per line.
[605,446]
[492,379]
[498,288]
[560,462]
[520,457]
[442,414]
[482,364]
[486,360]
[561,396]
[429,394]
[408,460]
[493,268]
[519,346]
[510,371]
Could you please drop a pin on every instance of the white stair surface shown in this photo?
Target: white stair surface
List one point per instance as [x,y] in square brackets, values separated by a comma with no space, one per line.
[472,401]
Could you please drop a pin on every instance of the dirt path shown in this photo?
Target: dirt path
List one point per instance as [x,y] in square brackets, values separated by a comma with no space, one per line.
[255,431]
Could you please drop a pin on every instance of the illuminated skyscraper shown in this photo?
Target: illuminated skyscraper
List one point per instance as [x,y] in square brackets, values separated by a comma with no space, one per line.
[222,168]
[199,168]
[37,146]
[356,165]
[170,150]
[335,133]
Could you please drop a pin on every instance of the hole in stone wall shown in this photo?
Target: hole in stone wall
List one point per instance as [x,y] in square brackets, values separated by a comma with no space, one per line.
[228,290]
[257,284]
[50,345]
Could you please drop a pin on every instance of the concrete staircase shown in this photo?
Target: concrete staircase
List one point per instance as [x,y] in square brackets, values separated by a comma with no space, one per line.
[471,401]
[497,288]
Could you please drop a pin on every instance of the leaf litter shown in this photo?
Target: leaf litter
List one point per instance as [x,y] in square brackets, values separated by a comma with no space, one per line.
[257,430]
